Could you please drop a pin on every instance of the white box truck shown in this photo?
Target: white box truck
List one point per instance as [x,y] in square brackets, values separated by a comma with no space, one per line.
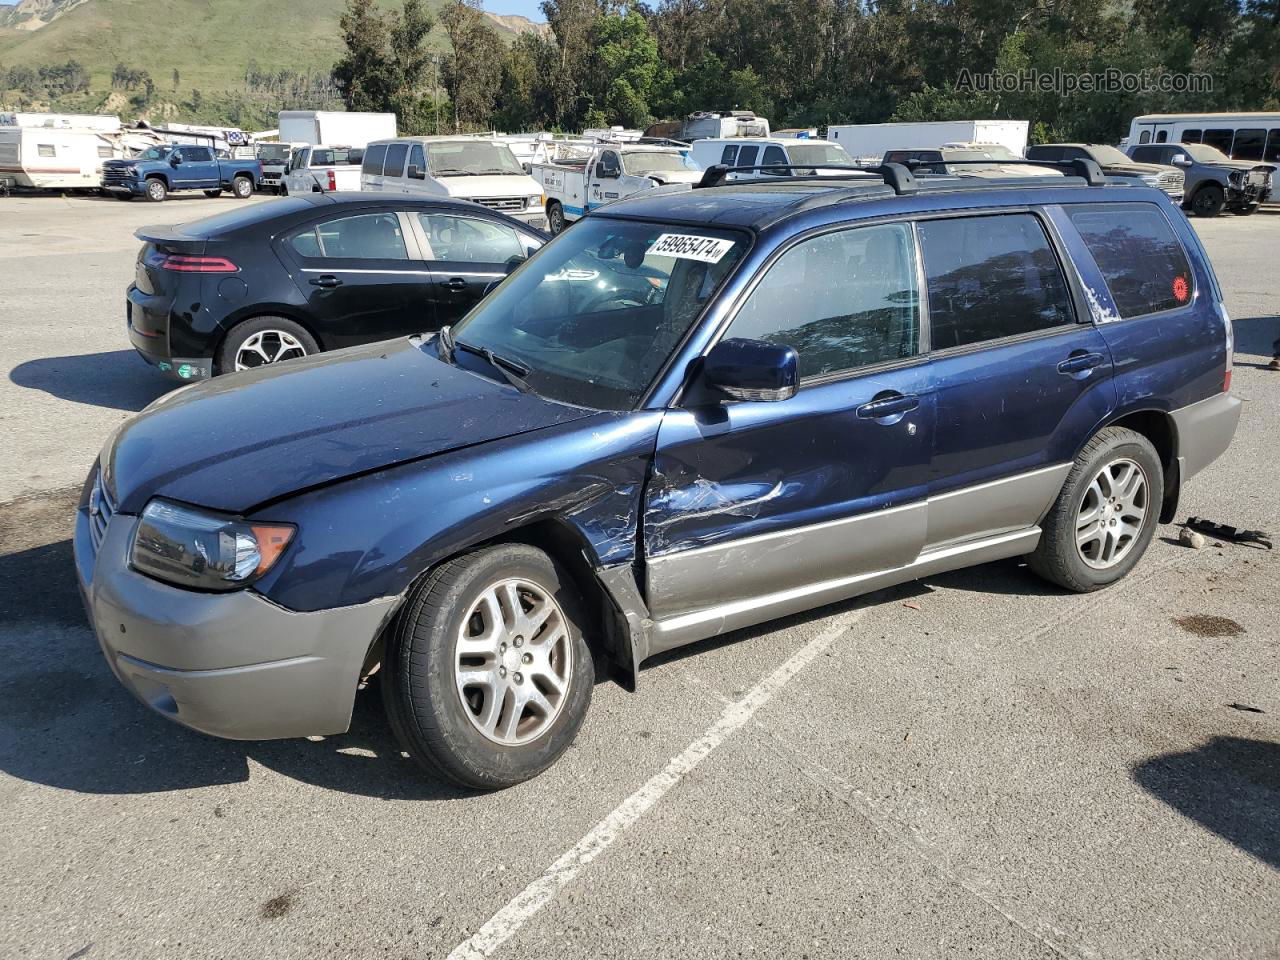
[871,141]
[335,127]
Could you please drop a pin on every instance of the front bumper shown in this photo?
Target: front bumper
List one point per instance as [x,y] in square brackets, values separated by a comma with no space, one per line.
[1204,432]
[232,665]
[536,217]
[135,187]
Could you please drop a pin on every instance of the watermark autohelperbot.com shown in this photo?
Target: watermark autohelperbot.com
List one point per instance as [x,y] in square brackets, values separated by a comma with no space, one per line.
[1064,82]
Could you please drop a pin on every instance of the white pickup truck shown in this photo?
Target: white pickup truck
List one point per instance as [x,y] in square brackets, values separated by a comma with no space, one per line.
[581,181]
[322,169]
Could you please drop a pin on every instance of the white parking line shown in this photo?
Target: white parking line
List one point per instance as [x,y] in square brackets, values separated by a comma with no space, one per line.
[503,925]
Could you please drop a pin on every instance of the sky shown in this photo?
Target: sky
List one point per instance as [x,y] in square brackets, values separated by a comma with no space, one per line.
[526,8]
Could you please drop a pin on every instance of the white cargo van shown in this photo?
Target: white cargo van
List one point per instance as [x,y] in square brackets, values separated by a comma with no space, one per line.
[755,151]
[482,169]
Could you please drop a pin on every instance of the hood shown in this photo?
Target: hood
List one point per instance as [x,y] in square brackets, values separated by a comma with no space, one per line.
[1135,169]
[238,441]
[675,176]
[494,185]
[1245,165]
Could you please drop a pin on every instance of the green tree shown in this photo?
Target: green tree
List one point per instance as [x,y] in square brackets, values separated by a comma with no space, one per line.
[473,75]
[365,74]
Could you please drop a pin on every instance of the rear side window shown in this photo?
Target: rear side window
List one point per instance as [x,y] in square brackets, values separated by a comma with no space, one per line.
[991,277]
[841,300]
[730,152]
[469,240]
[196,154]
[774,154]
[1272,154]
[394,165]
[1220,139]
[1146,137]
[370,236]
[373,158]
[1138,254]
[1191,136]
[747,156]
[1248,144]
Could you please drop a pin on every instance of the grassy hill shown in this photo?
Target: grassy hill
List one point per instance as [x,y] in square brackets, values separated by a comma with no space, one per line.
[210,42]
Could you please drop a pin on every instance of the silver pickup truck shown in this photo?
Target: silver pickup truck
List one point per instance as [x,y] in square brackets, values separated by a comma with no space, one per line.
[322,169]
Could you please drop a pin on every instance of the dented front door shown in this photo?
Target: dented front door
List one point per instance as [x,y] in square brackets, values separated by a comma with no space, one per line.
[750,500]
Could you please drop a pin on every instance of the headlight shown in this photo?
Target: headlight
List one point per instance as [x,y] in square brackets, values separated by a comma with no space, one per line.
[1150,179]
[204,550]
[533,203]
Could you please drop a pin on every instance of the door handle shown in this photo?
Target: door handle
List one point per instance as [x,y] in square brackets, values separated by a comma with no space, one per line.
[327,281]
[457,284]
[1080,362]
[887,406]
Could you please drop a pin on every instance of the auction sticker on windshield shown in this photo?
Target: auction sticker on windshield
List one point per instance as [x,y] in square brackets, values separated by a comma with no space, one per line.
[685,246]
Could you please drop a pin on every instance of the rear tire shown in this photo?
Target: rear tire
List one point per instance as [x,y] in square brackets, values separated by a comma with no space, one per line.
[242,187]
[263,341]
[440,717]
[1208,201]
[157,192]
[555,218]
[1105,515]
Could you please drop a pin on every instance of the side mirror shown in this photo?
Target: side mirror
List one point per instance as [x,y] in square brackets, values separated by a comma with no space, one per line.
[175,159]
[1181,160]
[609,173]
[751,370]
[415,172]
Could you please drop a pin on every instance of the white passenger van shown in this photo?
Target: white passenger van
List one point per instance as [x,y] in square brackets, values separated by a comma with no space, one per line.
[482,169]
[754,151]
[1241,136]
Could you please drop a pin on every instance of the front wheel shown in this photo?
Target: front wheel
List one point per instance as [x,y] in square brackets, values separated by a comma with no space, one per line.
[1208,201]
[555,217]
[488,675]
[1105,515]
[156,190]
[242,187]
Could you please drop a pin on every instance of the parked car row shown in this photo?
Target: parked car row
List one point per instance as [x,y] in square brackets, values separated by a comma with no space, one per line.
[627,446]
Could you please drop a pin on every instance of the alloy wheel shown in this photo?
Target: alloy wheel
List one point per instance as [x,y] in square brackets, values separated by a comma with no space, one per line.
[1112,513]
[268,346]
[513,661]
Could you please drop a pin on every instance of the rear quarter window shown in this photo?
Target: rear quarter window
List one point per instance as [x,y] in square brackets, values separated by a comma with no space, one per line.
[373,158]
[1138,254]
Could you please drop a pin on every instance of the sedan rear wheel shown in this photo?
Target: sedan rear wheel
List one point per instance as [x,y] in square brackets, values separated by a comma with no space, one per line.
[264,341]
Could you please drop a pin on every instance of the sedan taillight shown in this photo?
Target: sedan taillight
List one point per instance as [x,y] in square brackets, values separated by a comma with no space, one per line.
[181,263]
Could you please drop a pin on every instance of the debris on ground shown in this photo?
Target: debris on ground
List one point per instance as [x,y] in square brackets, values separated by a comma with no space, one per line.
[912,606]
[1190,538]
[1223,531]
[1207,625]
[1245,708]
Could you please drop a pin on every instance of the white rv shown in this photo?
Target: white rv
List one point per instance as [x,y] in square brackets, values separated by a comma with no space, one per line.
[335,126]
[871,141]
[55,157]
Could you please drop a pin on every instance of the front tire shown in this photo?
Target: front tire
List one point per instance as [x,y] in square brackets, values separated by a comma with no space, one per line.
[242,187]
[555,218]
[1208,201]
[1106,514]
[263,341]
[157,192]
[488,675]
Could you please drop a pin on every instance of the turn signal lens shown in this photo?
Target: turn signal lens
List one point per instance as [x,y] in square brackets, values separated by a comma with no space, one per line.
[180,263]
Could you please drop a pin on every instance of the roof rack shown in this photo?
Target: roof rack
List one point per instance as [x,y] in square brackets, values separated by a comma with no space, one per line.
[899,176]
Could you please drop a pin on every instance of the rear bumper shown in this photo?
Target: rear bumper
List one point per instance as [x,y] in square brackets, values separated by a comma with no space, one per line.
[1204,431]
[233,665]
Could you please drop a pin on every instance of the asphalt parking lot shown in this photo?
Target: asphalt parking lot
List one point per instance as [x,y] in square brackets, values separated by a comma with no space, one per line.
[973,765]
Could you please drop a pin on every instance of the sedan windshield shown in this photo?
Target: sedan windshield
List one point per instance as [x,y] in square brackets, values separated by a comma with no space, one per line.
[456,158]
[592,318]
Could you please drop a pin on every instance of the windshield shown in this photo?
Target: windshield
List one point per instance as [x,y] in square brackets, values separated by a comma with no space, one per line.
[1108,155]
[595,314]
[997,152]
[818,153]
[1204,154]
[273,152]
[642,163]
[154,153]
[456,158]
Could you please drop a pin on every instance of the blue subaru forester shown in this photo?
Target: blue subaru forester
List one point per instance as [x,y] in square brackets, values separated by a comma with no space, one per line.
[690,413]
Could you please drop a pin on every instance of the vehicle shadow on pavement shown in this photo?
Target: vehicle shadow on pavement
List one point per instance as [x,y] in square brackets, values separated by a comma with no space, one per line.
[118,379]
[1256,335]
[1230,785]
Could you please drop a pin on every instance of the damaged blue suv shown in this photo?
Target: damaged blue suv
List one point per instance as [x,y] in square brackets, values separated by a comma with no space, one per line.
[690,413]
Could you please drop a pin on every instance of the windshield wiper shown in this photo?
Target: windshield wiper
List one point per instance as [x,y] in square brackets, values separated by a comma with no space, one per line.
[507,173]
[513,371]
[452,172]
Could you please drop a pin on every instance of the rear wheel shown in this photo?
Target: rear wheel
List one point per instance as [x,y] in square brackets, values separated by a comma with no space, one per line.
[156,190]
[263,341]
[1208,201]
[1105,515]
[213,193]
[488,675]
[555,217]
[242,187]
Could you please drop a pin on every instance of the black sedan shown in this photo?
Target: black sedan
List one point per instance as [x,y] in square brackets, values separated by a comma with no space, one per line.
[297,276]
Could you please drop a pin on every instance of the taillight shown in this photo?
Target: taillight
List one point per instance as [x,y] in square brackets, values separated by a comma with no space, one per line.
[333,181]
[181,263]
[1231,346]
